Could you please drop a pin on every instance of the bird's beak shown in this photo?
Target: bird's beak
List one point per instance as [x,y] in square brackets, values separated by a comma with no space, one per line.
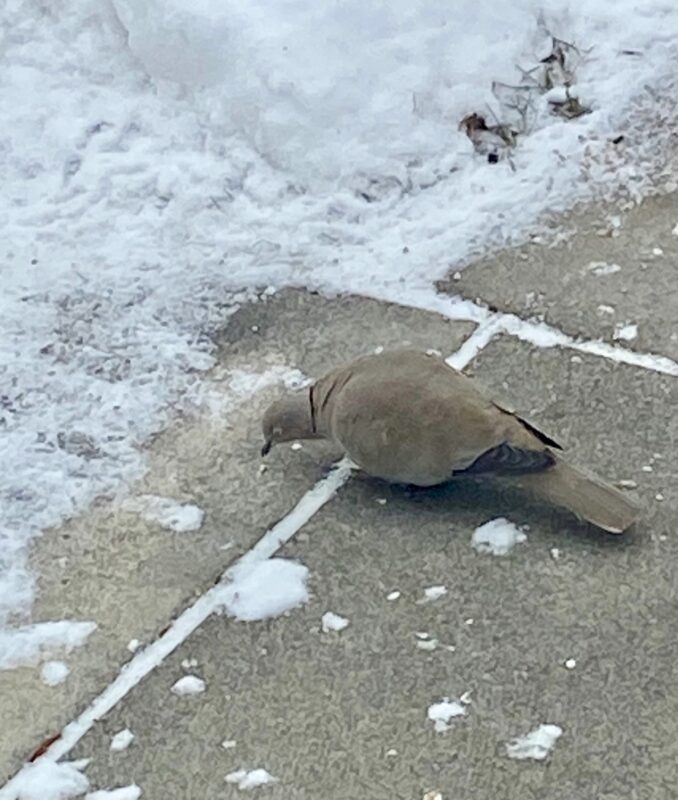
[266,449]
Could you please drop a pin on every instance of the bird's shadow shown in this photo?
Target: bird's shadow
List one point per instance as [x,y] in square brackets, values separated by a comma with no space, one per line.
[471,495]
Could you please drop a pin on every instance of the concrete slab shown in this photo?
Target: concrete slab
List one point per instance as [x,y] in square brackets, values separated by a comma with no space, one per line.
[554,278]
[309,332]
[130,576]
[344,716]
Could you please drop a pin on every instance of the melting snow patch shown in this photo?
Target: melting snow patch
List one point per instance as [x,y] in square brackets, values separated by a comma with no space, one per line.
[268,589]
[602,268]
[33,643]
[441,713]
[131,792]
[54,672]
[626,333]
[250,779]
[333,622]
[47,780]
[427,644]
[189,684]
[605,309]
[433,593]
[536,745]
[166,512]
[498,536]
[122,740]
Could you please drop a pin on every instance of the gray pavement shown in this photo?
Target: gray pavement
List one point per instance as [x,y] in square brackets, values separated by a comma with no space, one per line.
[343,716]
[322,711]
[551,277]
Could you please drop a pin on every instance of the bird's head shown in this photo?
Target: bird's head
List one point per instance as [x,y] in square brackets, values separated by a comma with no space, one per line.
[287,419]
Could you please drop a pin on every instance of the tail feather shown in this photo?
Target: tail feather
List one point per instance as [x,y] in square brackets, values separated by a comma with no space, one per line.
[586,496]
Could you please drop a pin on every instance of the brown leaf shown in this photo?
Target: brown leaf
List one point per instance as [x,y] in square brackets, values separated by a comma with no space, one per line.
[472,123]
[43,747]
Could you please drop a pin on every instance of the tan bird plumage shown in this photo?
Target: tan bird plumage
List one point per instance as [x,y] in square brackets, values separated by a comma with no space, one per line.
[407,417]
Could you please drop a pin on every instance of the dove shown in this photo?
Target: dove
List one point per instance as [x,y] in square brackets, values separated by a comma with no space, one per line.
[406,416]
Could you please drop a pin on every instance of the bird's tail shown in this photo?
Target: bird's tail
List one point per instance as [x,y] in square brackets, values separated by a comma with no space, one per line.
[586,496]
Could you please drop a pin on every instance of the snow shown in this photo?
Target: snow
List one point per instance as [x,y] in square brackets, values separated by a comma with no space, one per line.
[131,792]
[442,712]
[54,672]
[433,593]
[122,740]
[269,589]
[497,536]
[250,779]
[166,512]
[31,644]
[164,157]
[427,644]
[47,780]
[627,332]
[602,268]
[535,745]
[189,685]
[333,622]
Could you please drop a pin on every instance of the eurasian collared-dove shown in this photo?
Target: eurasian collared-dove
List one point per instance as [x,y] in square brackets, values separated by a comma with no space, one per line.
[408,417]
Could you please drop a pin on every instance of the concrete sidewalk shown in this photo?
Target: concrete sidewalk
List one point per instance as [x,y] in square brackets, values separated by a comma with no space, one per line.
[342,716]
